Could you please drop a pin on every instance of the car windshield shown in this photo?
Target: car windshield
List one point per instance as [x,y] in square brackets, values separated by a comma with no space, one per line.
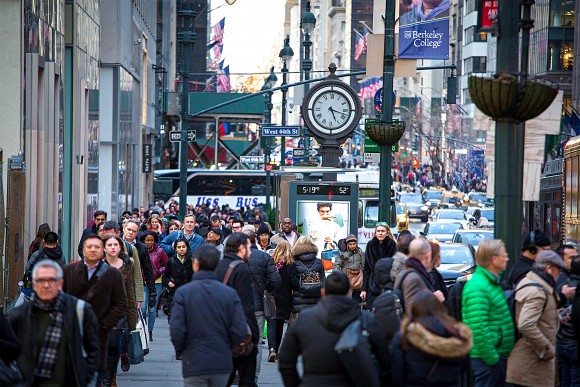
[473,238]
[410,198]
[456,215]
[433,195]
[443,228]
[455,255]
[479,197]
[488,214]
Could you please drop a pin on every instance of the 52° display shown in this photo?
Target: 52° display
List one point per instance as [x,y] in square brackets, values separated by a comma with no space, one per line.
[323,189]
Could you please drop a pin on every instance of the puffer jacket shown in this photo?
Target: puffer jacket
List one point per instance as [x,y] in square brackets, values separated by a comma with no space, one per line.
[353,260]
[265,275]
[305,259]
[485,311]
[158,261]
[434,357]
[532,361]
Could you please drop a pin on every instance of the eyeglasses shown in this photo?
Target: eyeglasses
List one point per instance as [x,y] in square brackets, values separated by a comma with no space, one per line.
[235,227]
[50,280]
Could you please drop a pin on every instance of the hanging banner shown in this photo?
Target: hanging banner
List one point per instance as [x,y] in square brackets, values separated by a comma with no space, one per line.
[424,30]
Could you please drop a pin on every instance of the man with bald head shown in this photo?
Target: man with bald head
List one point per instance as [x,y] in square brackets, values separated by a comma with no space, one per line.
[415,276]
[288,234]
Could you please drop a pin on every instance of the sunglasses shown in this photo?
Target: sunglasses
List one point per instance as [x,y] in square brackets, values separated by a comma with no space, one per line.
[384,224]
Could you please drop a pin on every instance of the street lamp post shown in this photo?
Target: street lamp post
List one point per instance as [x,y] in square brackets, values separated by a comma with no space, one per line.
[307,23]
[186,37]
[286,54]
[269,83]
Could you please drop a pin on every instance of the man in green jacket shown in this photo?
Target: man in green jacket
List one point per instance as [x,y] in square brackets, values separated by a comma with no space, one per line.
[485,310]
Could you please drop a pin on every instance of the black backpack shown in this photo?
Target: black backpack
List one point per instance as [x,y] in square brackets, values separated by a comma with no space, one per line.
[454,304]
[510,296]
[388,312]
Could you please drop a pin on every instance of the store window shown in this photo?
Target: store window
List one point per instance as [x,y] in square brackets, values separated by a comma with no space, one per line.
[561,56]
[562,13]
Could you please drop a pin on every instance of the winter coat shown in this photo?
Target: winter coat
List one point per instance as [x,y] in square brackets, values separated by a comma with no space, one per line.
[411,284]
[276,239]
[566,334]
[283,293]
[434,357]
[522,266]
[178,273]
[314,335]
[265,276]
[133,253]
[167,243]
[80,369]
[375,250]
[106,295]
[353,260]
[485,310]
[207,320]
[158,261]
[127,271]
[10,346]
[532,361]
[305,258]
[54,254]
[241,281]
[146,267]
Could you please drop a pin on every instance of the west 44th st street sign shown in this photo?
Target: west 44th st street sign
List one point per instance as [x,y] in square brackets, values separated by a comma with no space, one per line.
[175,136]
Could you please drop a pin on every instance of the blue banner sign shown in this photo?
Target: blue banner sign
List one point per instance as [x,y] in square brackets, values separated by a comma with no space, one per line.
[424,30]
[281,131]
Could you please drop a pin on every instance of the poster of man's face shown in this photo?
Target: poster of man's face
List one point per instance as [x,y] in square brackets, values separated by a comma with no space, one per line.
[323,221]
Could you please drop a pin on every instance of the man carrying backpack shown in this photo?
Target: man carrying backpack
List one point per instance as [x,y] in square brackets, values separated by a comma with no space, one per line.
[532,361]
[485,311]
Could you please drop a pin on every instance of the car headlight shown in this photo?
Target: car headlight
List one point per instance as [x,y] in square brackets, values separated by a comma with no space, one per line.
[428,203]
[424,208]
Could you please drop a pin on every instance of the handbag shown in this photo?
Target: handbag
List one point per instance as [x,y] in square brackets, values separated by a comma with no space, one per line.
[328,257]
[246,346]
[355,278]
[134,347]
[355,353]
[269,305]
[142,328]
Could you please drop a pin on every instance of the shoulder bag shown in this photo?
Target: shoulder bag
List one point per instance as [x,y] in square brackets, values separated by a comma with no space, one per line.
[267,300]
[355,353]
[328,256]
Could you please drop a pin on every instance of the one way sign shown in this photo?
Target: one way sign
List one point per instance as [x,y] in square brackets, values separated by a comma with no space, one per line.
[175,135]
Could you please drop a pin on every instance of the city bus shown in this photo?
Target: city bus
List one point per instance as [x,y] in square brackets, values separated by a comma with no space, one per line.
[236,188]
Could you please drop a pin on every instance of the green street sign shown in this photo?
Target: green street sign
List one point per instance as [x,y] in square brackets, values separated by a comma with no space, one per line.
[373,147]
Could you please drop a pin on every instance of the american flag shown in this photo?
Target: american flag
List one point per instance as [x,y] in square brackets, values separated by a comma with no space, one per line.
[223,79]
[217,52]
[218,30]
[417,107]
[360,45]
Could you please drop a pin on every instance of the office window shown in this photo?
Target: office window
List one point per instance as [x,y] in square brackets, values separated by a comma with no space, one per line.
[471,35]
[562,13]
[475,64]
[470,6]
[466,97]
[561,56]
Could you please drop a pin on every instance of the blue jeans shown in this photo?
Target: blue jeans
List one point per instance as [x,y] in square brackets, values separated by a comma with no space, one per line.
[152,312]
[568,366]
[485,375]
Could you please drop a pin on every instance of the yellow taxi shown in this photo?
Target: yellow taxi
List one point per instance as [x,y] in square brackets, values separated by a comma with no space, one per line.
[402,216]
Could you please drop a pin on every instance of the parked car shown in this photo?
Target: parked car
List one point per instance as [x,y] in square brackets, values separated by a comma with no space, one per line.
[441,231]
[456,261]
[472,237]
[451,215]
[415,205]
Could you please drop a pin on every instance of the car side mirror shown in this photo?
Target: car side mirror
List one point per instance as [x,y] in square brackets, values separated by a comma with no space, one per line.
[422,233]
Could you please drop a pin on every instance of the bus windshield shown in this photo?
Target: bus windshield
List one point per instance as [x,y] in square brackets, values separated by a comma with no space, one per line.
[371,215]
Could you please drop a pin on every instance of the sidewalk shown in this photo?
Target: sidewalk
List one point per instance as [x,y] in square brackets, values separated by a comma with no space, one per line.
[161,368]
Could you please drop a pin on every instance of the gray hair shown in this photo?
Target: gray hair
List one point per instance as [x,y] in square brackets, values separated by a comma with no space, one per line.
[47,263]
[419,248]
[135,222]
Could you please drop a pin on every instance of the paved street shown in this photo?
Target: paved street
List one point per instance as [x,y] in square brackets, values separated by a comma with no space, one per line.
[161,369]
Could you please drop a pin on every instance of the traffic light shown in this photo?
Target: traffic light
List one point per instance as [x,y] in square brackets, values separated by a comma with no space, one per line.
[416,143]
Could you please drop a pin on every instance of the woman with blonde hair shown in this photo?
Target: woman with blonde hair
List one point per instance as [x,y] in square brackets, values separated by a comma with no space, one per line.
[284,261]
[154,224]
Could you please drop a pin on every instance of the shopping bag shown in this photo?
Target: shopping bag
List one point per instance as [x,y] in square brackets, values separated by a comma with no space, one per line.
[134,347]
[142,329]
[328,257]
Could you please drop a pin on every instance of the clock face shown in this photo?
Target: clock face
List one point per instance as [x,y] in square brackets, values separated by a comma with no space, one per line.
[331,109]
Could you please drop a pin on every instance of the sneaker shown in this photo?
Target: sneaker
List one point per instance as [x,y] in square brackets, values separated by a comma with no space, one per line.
[272,356]
[125,363]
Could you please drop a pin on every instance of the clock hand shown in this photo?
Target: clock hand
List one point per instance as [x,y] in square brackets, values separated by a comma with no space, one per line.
[332,111]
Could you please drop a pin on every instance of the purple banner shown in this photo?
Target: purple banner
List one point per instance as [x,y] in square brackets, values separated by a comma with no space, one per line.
[424,30]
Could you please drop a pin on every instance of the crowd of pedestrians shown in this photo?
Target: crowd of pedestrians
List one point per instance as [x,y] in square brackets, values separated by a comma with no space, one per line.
[234,286]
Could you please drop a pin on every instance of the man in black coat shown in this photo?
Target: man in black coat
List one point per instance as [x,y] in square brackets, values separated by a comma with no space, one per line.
[216,223]
[238,248]
[533,243]
[265,277]
[317,330]
[100,216]
[54,350]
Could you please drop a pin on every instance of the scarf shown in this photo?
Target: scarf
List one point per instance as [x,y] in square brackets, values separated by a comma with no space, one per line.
[415,264]
[546,277]
[279,265]
[49,351]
